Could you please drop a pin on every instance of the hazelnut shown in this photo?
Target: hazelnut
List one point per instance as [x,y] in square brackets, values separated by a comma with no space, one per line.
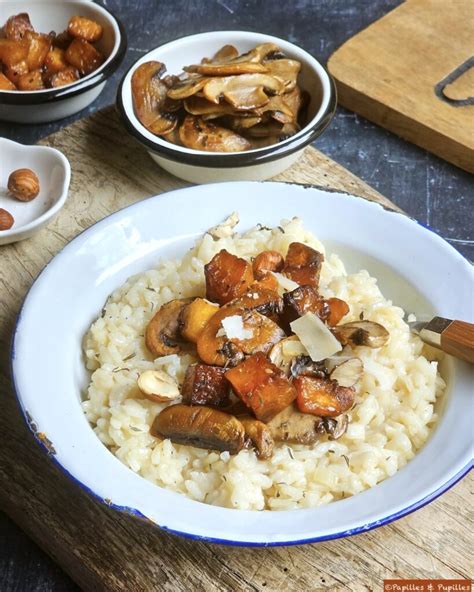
[23,184]
[6,220]
[158,386]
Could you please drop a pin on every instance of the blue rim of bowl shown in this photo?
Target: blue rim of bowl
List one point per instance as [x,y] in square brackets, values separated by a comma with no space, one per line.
[139,515]
[251,157]
[71,90]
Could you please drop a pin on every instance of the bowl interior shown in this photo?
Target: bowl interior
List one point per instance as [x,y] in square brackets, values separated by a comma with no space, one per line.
[103,257]
[52,175]
[190,50]
[52,15]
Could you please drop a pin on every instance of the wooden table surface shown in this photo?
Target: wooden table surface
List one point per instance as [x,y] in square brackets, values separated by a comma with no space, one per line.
[104,550]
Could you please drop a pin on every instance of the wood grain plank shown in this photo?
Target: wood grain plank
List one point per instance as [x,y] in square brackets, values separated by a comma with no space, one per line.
[104,550]
[389,73]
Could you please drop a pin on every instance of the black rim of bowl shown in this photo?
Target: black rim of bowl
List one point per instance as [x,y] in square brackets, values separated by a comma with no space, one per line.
[77,88]
[249,158]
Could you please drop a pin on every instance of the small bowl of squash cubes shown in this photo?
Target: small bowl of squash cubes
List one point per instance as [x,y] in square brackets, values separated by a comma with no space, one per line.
[55,57]
[226,105]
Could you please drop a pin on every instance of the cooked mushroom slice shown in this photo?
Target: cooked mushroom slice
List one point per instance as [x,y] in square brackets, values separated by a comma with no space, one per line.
[296,428]
[162,332]
[262,386]
[254,333]
[193,318]
[226,69]
[149,96]
[365,333]
[261,299]
[200,135]
[335,426]
[303,264]
[267,261]
[348,372]
[202,427]
[285,70]
[201,106]
[322,396]
[225,54]
[303,365]
[293,102]
[284,353]
[187,87]
[278,106]
[205,385]
[257,54]
[242,123]
[259,436]
[172,136]
[243,92]
[227,277]
[158,386]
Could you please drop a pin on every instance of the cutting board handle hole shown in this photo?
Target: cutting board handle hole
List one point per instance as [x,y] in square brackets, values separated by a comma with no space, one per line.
[456,84]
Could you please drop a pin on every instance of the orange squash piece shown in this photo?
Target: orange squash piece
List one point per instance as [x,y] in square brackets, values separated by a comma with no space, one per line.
[83,56]
[322,396]
[84,28]
[262,386]
[227,277]
[38,48]
[17,25]
[55,61]
[13,52]
[194,318]
[6,84]
[205,385]
[337,310]
[303,264]
[14,72]
[31,81]
[64,77]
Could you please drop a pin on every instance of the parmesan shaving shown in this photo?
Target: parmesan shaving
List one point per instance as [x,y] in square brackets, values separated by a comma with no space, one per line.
[233,328]
[315,336]
[284,283]
[291,349]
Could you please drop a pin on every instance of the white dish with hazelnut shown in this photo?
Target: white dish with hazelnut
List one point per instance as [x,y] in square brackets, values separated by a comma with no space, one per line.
[34,184]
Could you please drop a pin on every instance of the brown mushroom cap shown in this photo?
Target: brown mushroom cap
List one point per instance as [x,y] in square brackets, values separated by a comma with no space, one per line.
[199,426]
[225,54]
[149,97]
[196,105]
[199,135]
[294,427]
[162,332]
[259,436]
[187,87]
[365,333]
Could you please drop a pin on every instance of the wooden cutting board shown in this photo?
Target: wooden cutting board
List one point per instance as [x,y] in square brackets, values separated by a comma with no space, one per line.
[104,550]
[412,72]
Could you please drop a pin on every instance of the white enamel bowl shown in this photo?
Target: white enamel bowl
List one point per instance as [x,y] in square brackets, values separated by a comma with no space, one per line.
[49,373]
[198,166]
[54,174]
[42,106]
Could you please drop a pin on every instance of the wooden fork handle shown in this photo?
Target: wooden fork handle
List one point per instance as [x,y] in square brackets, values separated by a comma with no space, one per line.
[458,340]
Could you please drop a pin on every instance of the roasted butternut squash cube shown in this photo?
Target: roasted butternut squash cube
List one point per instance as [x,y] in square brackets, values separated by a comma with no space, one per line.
[322,396]
[205,385]
[64,77]
[5,83]
[14,72]
[83,56]
[38,48]
[17,25]
[262,386]
[12,51]
[268,282]
[55,61]
[303,264]
[227,277]
[337,310]
[267,261]
[84,28]
[194,318]
[63,40]
[300,301]
[31,81]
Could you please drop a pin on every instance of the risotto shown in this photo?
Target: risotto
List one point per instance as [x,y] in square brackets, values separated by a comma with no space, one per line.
[391,419]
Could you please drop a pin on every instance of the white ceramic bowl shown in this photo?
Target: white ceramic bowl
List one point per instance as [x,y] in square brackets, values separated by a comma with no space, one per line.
[49,375]
[198,166]
[42,106]
[54,174]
